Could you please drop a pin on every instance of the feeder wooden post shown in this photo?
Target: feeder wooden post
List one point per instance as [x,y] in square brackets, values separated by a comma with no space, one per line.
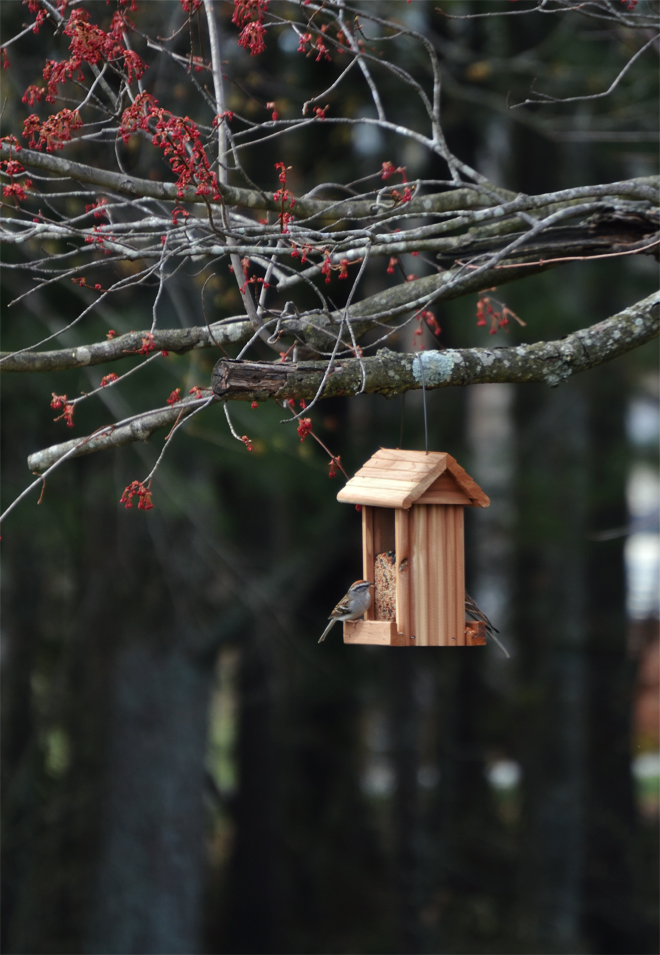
[413,549]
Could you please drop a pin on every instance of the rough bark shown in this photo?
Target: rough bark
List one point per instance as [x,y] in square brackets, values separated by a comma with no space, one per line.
[391,373]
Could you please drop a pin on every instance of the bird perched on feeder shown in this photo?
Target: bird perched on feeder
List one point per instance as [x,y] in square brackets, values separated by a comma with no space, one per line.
[356,602]
[473,612]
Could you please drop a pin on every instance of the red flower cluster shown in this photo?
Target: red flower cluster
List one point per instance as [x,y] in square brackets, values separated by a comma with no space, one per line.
[60,401]
[97,208]
[304,428]
[326,268]
[283,196]
[174,397]
[180,141]
[389,170]
[249,14]
[246,441]
[318,46]
[11,167]
[490,310]
[89,44]
[147,344]
[54,131]
[143,494]
[108,379]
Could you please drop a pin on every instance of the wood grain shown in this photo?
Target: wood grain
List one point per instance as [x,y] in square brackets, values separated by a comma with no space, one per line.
[368,551]
[402,547]
[376,632]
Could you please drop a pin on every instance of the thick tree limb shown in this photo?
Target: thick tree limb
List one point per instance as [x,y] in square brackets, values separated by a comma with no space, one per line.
[390,373]
[644,188]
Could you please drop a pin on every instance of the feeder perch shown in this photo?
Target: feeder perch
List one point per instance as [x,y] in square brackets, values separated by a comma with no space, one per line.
[412,549]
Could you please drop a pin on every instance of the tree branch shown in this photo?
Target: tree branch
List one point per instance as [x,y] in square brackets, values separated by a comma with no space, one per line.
[391,373]
[644,187]
[138,428]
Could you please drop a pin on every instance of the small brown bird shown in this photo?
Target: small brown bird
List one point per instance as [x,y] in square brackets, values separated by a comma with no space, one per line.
[474,613]
[352,606]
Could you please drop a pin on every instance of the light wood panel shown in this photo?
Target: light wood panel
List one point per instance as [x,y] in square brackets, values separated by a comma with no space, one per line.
[376,632]
[368,550]
[402,547]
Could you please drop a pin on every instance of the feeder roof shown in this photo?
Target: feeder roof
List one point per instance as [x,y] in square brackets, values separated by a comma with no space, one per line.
[393,478]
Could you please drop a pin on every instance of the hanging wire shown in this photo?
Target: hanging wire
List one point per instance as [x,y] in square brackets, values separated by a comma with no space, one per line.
[426,427]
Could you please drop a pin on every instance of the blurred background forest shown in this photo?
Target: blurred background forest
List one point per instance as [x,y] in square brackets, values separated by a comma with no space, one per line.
[184,768]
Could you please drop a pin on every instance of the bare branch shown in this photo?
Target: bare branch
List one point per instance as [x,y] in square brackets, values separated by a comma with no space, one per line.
[391,373]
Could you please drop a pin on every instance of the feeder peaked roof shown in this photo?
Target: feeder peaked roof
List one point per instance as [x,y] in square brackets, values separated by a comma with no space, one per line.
[393,478]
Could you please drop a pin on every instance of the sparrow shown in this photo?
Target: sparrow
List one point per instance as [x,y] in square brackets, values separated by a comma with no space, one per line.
[352,606]
[473,612]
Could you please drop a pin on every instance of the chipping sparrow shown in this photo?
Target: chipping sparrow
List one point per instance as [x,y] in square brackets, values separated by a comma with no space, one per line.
[473,612]
[352,606]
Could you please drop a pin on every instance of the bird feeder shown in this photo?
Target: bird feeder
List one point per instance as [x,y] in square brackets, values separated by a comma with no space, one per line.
[412,549]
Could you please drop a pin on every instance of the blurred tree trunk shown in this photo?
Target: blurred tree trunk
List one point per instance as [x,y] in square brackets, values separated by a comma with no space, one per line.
[553,442]
[613,916]
[408,833]
[252,904]
[149,889]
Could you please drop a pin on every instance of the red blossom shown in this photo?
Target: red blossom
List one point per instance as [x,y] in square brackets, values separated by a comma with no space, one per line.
[11,167]
[110,334]
[391,265]
[304,428]
[60,401]
[54,131]
[174,397]
[89,44]
[196,391]
[326,268]
[322,50]
[143,494]
[246,441]
[304,39]
[245,10]
[343,268]
[251,38]
[489,310]
[147,344]
[255,404]
[191,6]
[108,379]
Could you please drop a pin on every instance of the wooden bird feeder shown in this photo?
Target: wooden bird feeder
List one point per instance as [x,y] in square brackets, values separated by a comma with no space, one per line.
[412,548]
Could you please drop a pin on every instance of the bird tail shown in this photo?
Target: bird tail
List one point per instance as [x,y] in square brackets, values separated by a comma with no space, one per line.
[327,630]
[500,645]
